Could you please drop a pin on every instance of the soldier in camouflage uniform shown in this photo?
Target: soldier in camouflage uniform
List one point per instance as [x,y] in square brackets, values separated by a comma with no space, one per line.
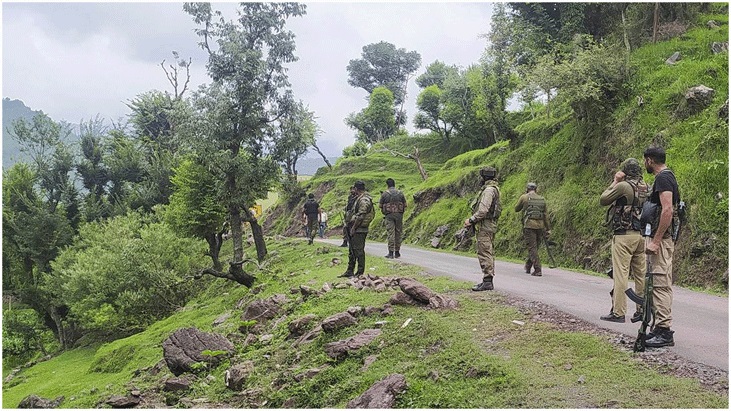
[626,195]
[348,215]
[393,204]
[486,210]
[311,215]
[535,221]
[363,214]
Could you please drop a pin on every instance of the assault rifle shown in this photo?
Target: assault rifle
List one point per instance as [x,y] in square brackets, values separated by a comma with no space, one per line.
[548,249]
[346,232]
[646,304]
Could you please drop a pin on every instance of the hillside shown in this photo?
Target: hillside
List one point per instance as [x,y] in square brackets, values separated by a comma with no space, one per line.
[572,162]
[13,110]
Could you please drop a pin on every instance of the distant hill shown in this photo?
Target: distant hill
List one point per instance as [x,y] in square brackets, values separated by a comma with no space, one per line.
[309,166]
[13,110]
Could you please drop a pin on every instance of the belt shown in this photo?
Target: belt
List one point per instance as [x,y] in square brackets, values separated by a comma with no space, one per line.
[623,232]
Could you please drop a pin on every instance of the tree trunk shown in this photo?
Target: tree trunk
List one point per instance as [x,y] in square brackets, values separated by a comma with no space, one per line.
[655,22]
[258,234]
[322,155]
[61,333]
[236,271]
[422,171]
[214,249]
[624,32]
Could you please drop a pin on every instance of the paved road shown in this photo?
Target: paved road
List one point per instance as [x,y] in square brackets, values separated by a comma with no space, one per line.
[700,320]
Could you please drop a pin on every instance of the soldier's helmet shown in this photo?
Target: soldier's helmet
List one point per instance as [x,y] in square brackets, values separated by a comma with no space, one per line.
[488,173]
[531,186]
[631,167]
[359,185]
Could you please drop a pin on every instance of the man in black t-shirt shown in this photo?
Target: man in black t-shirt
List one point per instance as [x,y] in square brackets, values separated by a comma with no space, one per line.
[659,246]
[311,212]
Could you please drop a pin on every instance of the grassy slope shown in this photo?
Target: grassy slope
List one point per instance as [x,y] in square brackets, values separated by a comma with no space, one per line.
[572,169]
[515,366]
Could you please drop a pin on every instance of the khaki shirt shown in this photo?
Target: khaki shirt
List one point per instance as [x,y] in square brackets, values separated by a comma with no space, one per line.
[480,217]
[530,222]
[621,190]
[363,212]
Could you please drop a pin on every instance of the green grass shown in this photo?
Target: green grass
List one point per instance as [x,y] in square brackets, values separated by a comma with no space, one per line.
[512,366]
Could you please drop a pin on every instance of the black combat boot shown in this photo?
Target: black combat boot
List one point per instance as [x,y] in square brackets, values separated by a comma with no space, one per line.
[612,317]
[485,285]
[537,273]
[397,254]
[637,316]
[344,244]
[527,266]
[390,254]
[348,273]
[662,337]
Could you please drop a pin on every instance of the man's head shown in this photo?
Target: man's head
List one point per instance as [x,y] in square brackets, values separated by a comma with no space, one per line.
[359,186]
[390,183]
[654,157]
[488,173]
[530,187]
[311,196]
[631,168]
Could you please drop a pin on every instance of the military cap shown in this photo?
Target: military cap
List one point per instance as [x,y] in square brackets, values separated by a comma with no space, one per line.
[359,185]
[531,186]
[631,167]
[488,172]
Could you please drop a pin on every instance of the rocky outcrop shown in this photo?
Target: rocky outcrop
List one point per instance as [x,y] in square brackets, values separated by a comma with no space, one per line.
[381,394]
[236,376]
[185,347]
[696,100]
[264,310]
[423,295]
[673,59]
[340,349]
[123,401]
[34,401]
[300,325]
[177,384]
[337,322]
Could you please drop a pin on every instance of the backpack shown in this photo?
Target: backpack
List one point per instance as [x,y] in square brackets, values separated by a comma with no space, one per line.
[496,207]
[627,217]
[392,206]
[535,209]
[371,214]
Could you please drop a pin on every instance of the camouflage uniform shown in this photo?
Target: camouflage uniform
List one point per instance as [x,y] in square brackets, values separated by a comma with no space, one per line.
[535,221]
[363,214]
[628,246]
[393,204]
[486,210]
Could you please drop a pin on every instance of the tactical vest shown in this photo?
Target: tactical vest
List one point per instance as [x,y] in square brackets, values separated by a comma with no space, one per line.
[655,218]
[535,208]
[627,217]
[392,206]
[370,214]
[495,208]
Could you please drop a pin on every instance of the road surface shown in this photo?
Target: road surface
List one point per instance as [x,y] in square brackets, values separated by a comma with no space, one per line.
[700,320]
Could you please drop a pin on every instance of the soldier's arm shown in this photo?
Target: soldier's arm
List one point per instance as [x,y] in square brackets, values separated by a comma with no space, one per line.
[484,206]
[521,201]
[611,194]
[360,212]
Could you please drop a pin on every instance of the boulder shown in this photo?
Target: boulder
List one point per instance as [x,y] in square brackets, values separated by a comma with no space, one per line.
[382,394]
[673,59]
[337,322]
[185,347]
[719,47]
[423,295]
[368,361]
[355,311]
[34,401]
[309,373]
[120,401]
[263,310]
[696,99]
[723,112]
[299,326]
[177,384]
[236,376]
[712,24]
[309,337]
[339,349]
[401,298]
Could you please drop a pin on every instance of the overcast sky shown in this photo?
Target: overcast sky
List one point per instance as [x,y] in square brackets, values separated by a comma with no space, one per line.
[78,60]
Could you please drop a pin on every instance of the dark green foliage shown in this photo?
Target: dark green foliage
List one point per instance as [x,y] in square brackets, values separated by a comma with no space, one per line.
[383,65]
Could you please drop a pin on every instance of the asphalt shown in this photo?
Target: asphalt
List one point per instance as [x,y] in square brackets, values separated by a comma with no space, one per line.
[700,321]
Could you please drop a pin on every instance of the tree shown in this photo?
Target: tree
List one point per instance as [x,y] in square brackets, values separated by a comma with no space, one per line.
[436,73]
[382,64]
[431,114]
[234,114]
[376,122]
[194,209]
[295,134]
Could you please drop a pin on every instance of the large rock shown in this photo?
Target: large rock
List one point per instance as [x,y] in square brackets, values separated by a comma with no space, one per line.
[34,401]
[263,310]
[236,376]
[185,347]
[381,394]
[120,401]
[337,322]
[673,59]
[718,48]
[723,112]
[339,349]
[424,295]
[696,100]
[299,326]
[177,384]
[309,337]
[401,298]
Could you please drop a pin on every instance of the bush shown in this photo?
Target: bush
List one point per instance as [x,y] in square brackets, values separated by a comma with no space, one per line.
[126,273]
[358,149]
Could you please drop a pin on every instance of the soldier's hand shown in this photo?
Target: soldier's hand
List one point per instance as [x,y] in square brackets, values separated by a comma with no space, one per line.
[652,248]
[467,223]
[619,176]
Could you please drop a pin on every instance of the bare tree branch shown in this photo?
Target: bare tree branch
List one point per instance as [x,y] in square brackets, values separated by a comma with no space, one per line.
[314,145]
